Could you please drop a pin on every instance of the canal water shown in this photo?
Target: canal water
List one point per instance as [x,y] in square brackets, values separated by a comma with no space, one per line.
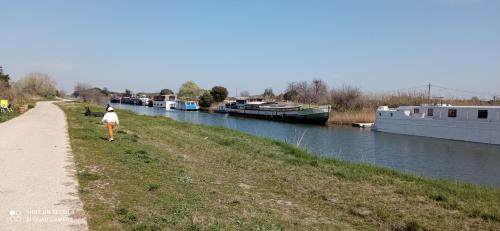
[436,158]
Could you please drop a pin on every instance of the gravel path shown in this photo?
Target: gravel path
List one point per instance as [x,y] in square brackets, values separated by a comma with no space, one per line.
[38,188]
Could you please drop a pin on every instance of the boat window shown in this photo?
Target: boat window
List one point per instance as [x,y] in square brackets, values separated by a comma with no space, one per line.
[430,112]
[416,110]
[452,113]
[391,114]
[380,114]
[482,114]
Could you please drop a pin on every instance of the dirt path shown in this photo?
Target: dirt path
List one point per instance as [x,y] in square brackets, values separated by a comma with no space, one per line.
[38,188]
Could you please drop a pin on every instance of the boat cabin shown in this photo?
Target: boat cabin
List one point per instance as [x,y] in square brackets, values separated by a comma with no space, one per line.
[466,123]
[247,103]
[442,112]
[186,105]
[164,101]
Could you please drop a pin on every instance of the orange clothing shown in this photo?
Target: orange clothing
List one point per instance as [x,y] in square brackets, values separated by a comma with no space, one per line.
[110,130]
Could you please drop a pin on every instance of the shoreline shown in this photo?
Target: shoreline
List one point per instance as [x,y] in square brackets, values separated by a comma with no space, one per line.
[210,159]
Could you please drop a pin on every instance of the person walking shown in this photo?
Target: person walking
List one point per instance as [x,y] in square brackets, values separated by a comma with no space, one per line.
[111,120]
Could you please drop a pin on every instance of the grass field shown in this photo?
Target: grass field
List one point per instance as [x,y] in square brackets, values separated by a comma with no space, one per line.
[160,174]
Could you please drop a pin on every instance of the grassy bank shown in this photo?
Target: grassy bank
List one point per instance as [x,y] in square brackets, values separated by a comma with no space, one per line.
[165,175]
[9,115]
[350,117]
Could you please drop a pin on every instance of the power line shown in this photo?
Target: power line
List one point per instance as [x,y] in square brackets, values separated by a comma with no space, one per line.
[419,87]
[464,91]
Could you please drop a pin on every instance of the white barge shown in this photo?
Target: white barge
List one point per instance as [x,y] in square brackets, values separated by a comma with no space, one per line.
[164,101]
[465,123]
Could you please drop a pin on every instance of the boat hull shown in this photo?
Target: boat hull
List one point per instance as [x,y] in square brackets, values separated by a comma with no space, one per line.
[313,118]
[485,132]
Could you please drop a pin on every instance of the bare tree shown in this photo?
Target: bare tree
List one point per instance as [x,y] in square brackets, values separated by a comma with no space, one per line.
[7,92]
[346,97]
[38,84]
[291,93]
[318,91]
[90,94]
[80,87]
[303,93]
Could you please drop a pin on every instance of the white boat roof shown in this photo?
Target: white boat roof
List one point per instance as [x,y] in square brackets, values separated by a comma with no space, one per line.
[451,106]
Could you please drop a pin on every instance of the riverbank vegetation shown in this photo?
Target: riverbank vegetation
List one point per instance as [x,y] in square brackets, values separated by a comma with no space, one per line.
[160,174]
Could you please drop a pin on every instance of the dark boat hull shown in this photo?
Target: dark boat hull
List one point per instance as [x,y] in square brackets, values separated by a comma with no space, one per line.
[316,118]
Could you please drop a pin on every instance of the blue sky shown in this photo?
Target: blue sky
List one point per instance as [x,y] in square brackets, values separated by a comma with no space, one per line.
[249,45]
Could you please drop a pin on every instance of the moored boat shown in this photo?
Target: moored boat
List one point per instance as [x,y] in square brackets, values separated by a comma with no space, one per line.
[164,101]
[256,108]
[465,123]
[186,105]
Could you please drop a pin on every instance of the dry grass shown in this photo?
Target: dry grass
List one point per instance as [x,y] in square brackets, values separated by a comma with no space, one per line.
[350,117]
[160,174]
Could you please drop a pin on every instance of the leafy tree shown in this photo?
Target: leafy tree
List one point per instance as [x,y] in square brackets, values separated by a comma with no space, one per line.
[189,89]
[4,78]
[206,100]
[268,93]
[219,93]
[166,91]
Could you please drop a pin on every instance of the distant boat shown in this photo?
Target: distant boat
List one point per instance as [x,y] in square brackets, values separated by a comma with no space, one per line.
[257,108]
[164,101]
[220,109]
[186,105]
[143,100]
[126,100]
[466,123]
[115,99]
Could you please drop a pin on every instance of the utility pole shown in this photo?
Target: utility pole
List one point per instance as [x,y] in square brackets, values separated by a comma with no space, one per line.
[429,93]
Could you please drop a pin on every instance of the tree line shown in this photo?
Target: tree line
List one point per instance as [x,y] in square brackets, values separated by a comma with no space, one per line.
[315,92]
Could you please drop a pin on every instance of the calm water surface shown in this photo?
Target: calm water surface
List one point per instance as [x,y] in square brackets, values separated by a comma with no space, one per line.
[437,158]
